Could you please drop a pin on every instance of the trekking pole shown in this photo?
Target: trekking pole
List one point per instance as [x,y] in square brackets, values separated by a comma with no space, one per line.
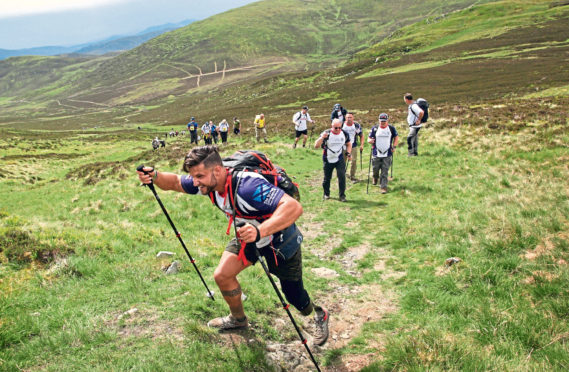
[392,163]
[361,160]
[368,168]
[178,235]
[284,304]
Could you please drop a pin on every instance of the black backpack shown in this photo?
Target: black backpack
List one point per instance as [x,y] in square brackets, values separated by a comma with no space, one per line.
[255,161]
[424,105]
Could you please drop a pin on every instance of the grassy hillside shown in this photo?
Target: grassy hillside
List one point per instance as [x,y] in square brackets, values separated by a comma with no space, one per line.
[80,283]
[262,39]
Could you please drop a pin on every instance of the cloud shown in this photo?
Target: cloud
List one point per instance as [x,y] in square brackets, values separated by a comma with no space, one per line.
[28,7]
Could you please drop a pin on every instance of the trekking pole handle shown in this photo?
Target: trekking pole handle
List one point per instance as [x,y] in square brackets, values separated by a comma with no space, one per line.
[140,168]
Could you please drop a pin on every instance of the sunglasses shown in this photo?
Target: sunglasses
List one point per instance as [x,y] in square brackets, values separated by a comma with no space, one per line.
[336,128]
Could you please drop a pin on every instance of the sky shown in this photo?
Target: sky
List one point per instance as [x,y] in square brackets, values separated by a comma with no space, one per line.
[34,23]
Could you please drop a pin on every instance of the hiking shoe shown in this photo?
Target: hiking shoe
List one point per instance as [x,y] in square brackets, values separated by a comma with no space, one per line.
[294,146]
[321,327]
[375,181]
[227,322]
[304,145]
[354,180]
[384,190]
[342,198]
[326,197]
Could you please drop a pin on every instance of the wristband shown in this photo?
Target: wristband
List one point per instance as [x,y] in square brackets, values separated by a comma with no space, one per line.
[155,175]
[258,233]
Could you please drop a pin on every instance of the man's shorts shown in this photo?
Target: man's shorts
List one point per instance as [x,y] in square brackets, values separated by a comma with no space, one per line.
[300,132]
[290,269]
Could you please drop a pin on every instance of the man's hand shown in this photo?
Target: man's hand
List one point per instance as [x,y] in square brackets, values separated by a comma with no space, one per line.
[249,233]
[371,140]
[324,135]
[362,147]
[146,178]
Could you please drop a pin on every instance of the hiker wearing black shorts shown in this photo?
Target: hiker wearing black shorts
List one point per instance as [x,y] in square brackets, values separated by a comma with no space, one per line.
[414,117]
[269,215]
[300,120]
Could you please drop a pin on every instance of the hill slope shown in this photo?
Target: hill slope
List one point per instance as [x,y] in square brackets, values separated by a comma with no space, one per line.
[260,39]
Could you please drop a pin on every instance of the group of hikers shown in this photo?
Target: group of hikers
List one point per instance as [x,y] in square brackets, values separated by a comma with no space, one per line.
[264,214]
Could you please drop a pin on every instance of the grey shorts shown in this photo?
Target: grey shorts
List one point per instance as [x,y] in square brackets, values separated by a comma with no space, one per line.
[290,269]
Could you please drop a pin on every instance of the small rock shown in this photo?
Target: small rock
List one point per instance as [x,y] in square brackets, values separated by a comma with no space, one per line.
[165,254]
[173,268]
[130,312]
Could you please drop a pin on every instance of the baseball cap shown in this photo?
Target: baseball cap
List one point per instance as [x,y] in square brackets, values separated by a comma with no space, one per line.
[383,116]
[193,118]
[305,107]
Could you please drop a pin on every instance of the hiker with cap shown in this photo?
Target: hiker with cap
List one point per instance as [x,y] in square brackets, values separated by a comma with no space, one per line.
[193,129]
[333,141]
[338,112]
[264,218]
[414,119]
[384,139]
[260,126]
[299,119]
[354,129]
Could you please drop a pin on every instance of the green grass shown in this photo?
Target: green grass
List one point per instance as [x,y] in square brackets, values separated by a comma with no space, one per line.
[489,202]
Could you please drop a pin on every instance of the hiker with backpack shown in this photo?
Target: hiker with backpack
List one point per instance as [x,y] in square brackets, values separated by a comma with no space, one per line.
[354,129]
[338,112]
[333,141]
[236,126]
[193,129]
[384,140]
[263,216]
[418,113]
[300,119]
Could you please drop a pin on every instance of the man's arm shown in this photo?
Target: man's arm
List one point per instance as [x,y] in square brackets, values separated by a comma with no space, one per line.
[287,212]
[165,181]
[421,113]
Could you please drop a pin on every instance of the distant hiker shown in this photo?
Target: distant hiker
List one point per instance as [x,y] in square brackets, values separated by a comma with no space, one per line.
[236,126]
[384,139]
[139,128]
[299,119]
[338,112]
[414,119]
[156,143]
[260,126]
[354,129]
[193,129]
[206,131]
[333,141]
[214,131]
[223,130]
[269,215]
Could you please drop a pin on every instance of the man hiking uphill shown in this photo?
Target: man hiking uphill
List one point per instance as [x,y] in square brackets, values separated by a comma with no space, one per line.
[338,112]
[333,141]
[300,119]
[384,139]
[415,119]
[193,129]
[354,129]
[269,215]
[260,127]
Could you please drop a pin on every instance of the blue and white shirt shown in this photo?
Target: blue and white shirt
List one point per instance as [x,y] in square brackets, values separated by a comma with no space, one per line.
[255,198]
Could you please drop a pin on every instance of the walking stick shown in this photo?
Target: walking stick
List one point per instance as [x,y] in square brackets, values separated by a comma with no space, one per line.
[368,169]
[178,235]
[392,163]
[361,160]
